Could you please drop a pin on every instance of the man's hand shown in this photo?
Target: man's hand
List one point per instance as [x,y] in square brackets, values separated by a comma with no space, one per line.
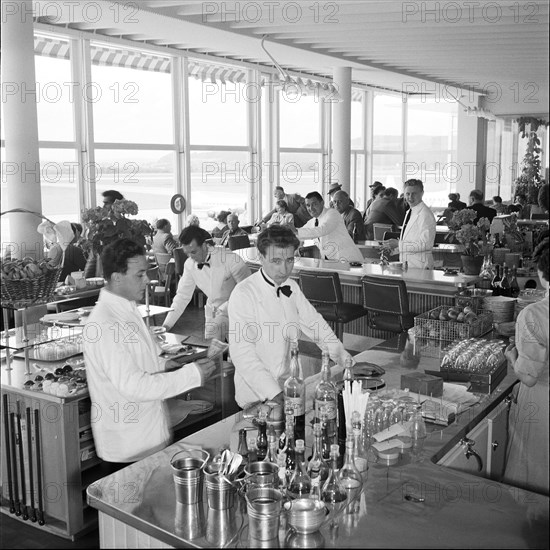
[390,244]
[511,354]
[207,368]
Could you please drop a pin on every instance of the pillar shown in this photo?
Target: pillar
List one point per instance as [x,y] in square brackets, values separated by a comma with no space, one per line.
[21,166]
[341,127]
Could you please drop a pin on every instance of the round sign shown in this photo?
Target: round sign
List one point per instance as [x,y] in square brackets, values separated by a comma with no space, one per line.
[177,204]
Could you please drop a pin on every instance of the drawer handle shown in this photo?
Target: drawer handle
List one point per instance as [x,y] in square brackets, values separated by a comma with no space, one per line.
[494,445]
[469,451]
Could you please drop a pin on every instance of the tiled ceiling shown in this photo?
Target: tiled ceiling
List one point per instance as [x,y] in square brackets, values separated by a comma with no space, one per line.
[497,48]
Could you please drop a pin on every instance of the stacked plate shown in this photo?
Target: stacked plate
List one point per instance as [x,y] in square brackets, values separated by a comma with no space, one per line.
[501,307]
[526,299]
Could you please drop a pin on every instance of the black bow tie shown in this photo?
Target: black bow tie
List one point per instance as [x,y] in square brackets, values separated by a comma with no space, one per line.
[200,266]
[316,222]
[286,290]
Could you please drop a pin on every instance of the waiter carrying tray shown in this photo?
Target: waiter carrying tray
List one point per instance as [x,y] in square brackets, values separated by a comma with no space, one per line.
[417,237]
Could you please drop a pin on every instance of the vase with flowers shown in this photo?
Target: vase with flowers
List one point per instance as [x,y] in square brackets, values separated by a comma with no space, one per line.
[106,224]
[472,236]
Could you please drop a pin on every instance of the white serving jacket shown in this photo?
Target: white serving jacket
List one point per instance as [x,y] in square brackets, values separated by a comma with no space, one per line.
[261,327]
[331,237]
[126,383]
[417,240]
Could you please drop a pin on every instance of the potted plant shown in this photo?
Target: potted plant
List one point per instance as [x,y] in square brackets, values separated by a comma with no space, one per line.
[106,224]
[472,236]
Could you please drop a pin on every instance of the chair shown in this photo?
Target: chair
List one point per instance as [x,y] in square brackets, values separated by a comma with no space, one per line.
[391,235]
[324,292]
[539,216]
[440,238]
[179,259]
[379,229]
[387,303]
[163,259]
[159,290]
[238,242]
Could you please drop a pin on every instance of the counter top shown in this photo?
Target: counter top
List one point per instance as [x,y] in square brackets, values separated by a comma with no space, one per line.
[459,511]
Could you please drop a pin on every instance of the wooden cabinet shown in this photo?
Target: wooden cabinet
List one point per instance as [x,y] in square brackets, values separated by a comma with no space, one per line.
[488,441]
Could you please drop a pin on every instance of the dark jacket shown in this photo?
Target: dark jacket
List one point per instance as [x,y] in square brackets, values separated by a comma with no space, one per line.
[483,211]
[457,205]
[383,211]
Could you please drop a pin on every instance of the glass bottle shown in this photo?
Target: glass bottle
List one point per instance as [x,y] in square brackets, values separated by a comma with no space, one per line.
[418,434]
[252,450]
[359,452]
[487,270]
[341,418]
[261,439]
[495,283]
[497,244]
[326,403]
[290,453]
[243,447]
[294,391]
[505,282]
[317,468]
[333,494]
[271,455]
[514,285]
[299,485]
[350,477]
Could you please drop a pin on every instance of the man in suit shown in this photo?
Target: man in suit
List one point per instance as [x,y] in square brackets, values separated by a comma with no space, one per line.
[454,203]
[351,216]
[482,211]
[216,271]
[233,231]
[163,240]
[295,203]
[384,210]
[329,231]
[416,242]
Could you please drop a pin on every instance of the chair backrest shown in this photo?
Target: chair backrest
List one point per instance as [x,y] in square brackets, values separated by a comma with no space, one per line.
[440,238]
[379,229]
[247,228]
[391,235]
[179,258]
[385,295]
[539,216]
[321,287]
[162,261]
[237,242]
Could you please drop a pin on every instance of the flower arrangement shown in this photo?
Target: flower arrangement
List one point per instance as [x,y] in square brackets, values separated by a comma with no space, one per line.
[512,234]
[106,224]
[462,230]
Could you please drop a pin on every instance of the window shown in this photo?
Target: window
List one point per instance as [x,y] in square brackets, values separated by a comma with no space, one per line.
[301,172]
[387,123]
[387,169]
[299,121]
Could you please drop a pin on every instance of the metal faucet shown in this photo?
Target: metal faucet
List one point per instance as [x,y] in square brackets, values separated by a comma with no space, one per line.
[469,443]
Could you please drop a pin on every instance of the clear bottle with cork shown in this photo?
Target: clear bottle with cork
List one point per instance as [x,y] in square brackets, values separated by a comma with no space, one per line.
[333,494]
[317,468]
[242,449]
[326,405]
[350,477]
[514,285]
[299,485]
[271,455]
[505,289]
[360,455]
[294,391]
[261,439]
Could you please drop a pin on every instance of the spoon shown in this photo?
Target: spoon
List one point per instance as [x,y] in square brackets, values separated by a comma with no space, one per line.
[236,461]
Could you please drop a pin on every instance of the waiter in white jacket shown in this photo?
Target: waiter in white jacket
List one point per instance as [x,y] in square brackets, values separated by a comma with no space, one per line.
[216,271]
[329,231]
[417,237]
[266,312]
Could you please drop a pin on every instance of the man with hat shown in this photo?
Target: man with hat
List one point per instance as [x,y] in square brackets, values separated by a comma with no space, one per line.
[334,188]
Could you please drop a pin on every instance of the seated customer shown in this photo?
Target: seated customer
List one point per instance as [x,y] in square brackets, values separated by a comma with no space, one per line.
[124,371]
[476,203]
[221,226]
[454,203]
[384,210]
[266,311]
[498,206]
[233,231]
[163,240]
[351,216]
[73,257]
[521,206]
[527,456]
[282,216]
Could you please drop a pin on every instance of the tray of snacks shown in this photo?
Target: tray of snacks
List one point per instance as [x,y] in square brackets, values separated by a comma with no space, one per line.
[62,382]
[449,323]
[58,350]
[478,361]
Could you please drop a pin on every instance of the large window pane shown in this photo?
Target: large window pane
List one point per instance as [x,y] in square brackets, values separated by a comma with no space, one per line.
[299,121]
[302,172]
[357,137]
[387,123]
[55,99]
[145,177]
[131,105]
[357,187]
[387,170]
[217,112]
[219,181]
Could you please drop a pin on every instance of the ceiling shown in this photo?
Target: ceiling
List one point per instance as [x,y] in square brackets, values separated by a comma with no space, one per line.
[498,49]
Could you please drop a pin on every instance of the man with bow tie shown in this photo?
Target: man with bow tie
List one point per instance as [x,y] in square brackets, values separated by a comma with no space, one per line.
[266,312]
[216,271]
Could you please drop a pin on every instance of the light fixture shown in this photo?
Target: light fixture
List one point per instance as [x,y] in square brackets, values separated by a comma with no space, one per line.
[294,86]
[475,111]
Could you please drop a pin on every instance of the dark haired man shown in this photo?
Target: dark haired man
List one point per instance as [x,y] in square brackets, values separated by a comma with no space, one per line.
[417,237]
[110,196]
[384,210]
[329,231]
[163,240]
[216,271]
[295,205]
[455,203]
[482,211]
[266,312]
[123,367]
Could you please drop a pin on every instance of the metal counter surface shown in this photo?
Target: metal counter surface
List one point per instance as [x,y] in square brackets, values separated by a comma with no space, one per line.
[459,511]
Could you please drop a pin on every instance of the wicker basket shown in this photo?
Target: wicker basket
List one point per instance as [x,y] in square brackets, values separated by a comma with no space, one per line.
[447,331]
[25,292]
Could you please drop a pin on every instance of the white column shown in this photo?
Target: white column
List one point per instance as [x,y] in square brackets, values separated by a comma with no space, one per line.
[341,127]
[21,168]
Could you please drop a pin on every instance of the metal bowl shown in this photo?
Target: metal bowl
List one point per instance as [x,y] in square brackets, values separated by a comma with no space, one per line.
[306,515]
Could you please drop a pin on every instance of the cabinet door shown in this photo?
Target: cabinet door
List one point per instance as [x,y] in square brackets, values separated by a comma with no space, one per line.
[456,457]
[498,441]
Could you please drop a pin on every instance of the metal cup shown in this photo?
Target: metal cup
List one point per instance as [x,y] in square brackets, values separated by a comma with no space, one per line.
[264,509]
[221,526]
[189,523]
[220,491]
[188,475]
[262,474]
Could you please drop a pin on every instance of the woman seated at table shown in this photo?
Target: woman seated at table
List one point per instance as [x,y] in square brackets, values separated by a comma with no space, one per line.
[527,456]
[221,227]
[282,216]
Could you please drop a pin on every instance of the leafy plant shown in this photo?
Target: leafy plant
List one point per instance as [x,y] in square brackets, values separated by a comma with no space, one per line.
[463,230]
[106,224]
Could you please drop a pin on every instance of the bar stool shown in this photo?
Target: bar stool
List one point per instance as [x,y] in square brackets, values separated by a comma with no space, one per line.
[324,292]
[387,303]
